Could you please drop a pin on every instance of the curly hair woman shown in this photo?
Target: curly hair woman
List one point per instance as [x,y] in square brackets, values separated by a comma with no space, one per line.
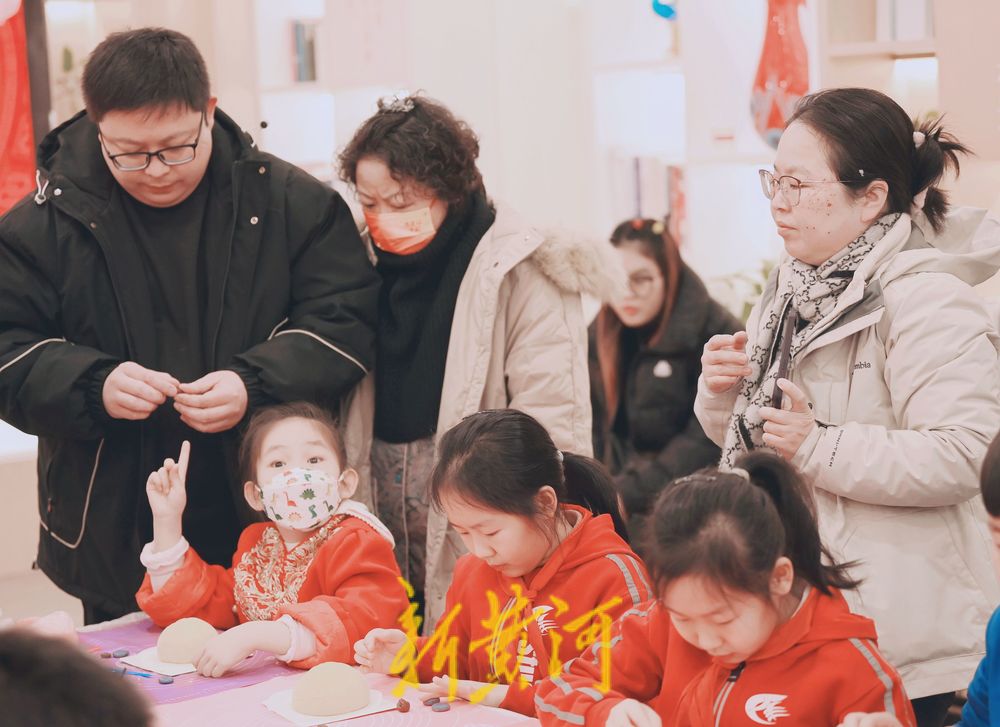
[477,311]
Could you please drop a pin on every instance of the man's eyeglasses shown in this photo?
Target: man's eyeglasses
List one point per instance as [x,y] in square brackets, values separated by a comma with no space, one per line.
[789,186]
[172,156]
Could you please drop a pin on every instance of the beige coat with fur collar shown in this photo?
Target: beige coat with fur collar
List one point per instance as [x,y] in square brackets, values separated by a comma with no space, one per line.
[904,381]
[518,340]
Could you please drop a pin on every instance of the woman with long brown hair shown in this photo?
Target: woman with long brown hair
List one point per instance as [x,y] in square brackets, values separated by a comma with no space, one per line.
[644,366]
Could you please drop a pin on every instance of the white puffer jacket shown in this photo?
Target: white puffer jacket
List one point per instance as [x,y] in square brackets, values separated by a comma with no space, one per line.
[518,339]
[904,381]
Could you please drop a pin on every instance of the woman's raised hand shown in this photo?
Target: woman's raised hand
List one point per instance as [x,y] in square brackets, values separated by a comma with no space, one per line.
[724,361]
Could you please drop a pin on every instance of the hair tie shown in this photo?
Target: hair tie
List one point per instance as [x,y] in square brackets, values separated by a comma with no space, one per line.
[637,223]
[739,471]
[658,228]
[918,138]
[559,455]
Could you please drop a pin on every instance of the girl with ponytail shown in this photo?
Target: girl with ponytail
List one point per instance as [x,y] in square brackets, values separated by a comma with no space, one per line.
[743,578]
[548,559]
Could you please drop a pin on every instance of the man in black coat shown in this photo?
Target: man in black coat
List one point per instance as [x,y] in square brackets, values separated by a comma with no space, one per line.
[164,281]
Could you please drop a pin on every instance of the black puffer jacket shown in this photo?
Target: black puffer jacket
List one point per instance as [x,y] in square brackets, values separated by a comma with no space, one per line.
[290,305]
[664,439]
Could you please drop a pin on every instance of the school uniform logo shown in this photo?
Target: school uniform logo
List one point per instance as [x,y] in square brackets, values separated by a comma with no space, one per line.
[545,624]
[766,708]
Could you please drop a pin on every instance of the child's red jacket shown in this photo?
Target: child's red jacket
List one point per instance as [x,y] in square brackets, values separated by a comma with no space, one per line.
[340,583]
[513,630]
[814,670]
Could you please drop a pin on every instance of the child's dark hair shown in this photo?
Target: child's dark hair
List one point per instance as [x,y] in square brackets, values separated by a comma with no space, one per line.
[145,68]
[868,136]
[421,141]
[265,418]
[731,530]
[501,458]
[989,480]
[47,681]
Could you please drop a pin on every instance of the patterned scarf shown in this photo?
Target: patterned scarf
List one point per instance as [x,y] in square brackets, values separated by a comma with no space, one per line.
[812,292]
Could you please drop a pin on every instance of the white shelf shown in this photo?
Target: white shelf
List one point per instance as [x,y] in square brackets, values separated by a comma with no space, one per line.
[883,49]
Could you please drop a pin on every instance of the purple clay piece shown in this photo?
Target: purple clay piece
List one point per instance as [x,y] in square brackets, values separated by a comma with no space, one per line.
[118,654]
[431,701]
[166,680]
[441,707]
[402,706]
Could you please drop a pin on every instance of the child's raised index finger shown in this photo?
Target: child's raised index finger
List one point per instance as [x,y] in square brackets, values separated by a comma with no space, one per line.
[182,460]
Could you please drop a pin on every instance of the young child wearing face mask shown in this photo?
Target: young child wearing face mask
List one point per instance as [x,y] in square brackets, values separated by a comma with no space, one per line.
[306,584]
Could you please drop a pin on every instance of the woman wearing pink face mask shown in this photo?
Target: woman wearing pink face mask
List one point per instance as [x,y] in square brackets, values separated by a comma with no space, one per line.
[477,311]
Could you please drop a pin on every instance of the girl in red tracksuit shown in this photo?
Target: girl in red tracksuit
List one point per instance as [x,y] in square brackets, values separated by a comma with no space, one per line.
[548,569]
[743,579]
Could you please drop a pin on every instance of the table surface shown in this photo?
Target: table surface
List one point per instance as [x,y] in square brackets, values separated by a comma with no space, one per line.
[237,699]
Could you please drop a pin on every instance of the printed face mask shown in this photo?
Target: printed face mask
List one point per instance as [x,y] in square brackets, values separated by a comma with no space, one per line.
[401,233]
[300,498]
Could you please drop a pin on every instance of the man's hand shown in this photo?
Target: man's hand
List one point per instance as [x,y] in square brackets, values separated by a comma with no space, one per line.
[214,403]
[134,392]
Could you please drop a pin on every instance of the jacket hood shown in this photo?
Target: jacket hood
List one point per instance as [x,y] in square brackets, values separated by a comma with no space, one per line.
[820,620]
[71,154]
[592,538]
[968,246]
[578,264]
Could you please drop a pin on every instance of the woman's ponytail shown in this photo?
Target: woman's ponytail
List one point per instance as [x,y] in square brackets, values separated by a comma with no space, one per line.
[936,154]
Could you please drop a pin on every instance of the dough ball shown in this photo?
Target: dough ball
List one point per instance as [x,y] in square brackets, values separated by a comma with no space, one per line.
[329,689]
[182,641]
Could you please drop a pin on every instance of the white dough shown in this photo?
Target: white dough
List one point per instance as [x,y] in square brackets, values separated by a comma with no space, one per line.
[183,641]
[328,689]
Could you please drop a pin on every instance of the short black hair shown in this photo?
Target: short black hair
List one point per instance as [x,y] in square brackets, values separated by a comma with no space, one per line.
[147,68]
[50,682]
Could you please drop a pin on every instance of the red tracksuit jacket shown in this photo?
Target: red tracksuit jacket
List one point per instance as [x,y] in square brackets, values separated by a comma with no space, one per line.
[513,631]
[814,670]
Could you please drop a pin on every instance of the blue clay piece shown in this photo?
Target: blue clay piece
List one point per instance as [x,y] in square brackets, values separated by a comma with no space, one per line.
[166,680]
[119,653]
[441,707]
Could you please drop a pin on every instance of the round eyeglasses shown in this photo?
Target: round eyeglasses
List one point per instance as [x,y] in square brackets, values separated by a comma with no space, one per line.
[789,186]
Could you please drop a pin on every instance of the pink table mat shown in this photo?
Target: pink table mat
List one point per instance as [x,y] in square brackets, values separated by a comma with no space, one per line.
[141,634]
[244,707]
[237,698]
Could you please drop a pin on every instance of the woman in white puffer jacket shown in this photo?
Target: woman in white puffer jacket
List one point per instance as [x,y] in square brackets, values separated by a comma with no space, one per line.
[893,390]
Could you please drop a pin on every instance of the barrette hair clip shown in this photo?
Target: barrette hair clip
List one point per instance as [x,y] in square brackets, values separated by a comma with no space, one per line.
[658,228]
[396,105]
